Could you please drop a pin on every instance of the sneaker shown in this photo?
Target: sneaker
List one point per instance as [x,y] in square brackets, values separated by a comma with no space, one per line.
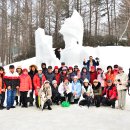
[122,108]
[12,106]
[8,108]
[118,107]
[49,108]
[113,107]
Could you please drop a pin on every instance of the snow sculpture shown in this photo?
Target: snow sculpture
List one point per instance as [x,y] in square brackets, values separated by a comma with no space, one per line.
[44,50]
[72,31]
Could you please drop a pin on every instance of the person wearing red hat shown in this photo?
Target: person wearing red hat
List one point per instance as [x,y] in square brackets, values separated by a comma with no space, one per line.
[63,74]
[121,81]
[93,74]
[65,90]
[57,74]
[25,87]
[38,80]
[70,74]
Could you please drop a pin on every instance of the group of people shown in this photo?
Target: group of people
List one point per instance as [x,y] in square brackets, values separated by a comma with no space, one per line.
[90,86]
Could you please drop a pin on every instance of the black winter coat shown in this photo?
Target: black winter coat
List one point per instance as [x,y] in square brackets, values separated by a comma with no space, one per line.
[50,77]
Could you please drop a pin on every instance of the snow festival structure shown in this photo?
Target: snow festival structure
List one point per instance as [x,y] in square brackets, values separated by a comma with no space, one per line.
[74,53]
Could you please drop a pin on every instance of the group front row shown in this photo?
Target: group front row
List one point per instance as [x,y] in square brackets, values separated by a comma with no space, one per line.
[48,93]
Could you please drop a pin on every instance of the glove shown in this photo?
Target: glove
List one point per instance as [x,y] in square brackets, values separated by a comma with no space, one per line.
[105,96]
[29,91]
[97,58]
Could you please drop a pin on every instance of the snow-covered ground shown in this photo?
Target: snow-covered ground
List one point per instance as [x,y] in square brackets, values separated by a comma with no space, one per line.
[71,118]
[74,117]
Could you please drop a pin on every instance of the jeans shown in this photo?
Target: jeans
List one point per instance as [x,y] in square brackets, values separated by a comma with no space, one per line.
[10,98]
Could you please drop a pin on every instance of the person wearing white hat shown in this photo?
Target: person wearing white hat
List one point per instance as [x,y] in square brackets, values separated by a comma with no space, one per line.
[76,90]
[55,93]
[87,93]
[121,81]
[46,94]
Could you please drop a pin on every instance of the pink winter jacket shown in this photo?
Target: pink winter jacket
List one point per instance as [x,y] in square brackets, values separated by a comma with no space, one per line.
[25,83]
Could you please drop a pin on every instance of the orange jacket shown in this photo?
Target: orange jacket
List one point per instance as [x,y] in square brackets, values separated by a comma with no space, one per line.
[25,83]
[109,77]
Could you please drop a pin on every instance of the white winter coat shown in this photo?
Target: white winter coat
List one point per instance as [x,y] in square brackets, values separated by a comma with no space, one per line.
[124,80]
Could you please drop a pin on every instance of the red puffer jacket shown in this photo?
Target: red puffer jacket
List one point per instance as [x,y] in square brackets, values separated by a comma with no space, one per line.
[37,83]
[93,75]
[25,83]
[2,84]
[110,92]
[57,77]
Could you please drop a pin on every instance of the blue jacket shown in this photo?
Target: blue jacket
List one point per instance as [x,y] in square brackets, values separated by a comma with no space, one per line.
[77,87]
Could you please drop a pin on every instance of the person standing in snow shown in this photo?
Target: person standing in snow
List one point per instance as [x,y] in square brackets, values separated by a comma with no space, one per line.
[63,74]
[44,69]
[121,82]
[19,71]
[70,74]
[57,74]
[85,74]
[115,70]
[91,62]
[33,71]
[101,77]
[109,75]
[2,88]
[25,87]
[76,71]
[57,53]
[38,80]
[50,76]
[62,65]
[129,82]
[93,74]
[12,83]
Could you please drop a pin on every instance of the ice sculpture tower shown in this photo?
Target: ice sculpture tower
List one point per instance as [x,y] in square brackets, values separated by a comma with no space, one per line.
[44,50]
[72,31]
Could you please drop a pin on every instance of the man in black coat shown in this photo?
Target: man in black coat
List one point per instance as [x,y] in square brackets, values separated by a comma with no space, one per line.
[12,83]
[57,53]
[32,72]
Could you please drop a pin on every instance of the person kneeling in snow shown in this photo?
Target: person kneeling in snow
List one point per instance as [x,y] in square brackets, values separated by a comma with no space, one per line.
[56,97]
[109,94]
[97,90]
[65,91]
[45,94]
[76,90]
[87,93]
